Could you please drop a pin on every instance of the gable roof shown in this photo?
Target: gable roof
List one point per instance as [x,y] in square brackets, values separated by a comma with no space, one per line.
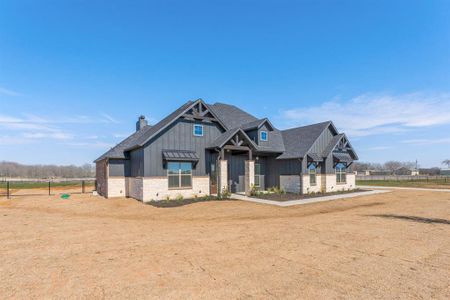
[226,136]
[231,116]
[334,141]
[257,124]
[118,150]
[298,141]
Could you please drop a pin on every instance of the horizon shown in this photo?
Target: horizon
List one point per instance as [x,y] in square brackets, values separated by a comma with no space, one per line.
[75,76]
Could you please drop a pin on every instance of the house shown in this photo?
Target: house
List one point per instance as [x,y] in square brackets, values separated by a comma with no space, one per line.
[406,171]
[201,149]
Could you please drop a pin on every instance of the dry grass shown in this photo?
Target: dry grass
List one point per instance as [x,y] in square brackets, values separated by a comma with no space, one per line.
[394,245]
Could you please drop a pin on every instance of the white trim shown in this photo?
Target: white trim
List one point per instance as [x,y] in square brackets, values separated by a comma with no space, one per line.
[193,130]
[260,136]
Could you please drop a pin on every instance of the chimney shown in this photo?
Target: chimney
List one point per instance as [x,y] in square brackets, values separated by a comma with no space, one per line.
[141,123]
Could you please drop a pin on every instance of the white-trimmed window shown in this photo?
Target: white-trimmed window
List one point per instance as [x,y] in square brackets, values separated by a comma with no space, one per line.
[312,171]
[198,130]
[179,175]
[341,171]
[263,136]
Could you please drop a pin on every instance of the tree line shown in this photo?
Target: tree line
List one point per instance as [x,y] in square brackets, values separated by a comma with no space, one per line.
[395,165]
[16,170]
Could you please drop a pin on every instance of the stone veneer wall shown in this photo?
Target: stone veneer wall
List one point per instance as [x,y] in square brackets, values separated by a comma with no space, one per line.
[308,188]
[249,176]
[116,187]
[102,178]
[157,188]
[332,186]
[290,183]
[223,175]
[135,188]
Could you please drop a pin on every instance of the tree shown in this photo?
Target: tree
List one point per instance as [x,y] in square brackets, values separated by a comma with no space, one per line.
[392,165]
[446,162]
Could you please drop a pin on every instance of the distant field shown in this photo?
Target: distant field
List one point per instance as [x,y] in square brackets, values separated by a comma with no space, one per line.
[426,183]
[37,185]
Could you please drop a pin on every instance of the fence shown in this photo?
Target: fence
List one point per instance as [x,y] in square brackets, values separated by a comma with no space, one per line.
[34,187]
[404,177]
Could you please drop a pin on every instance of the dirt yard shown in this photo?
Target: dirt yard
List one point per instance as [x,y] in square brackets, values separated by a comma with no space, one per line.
[394,245]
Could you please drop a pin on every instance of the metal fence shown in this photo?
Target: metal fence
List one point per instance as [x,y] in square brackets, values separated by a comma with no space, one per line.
[33,187]
[404,177]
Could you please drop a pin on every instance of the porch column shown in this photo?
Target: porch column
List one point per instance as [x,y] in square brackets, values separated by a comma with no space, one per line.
[223,176]
[249,176]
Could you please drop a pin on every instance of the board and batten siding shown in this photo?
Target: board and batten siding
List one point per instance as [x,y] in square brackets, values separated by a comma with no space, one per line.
[318,147]
[276,167]
[137,163]
[179,136]
[119,167]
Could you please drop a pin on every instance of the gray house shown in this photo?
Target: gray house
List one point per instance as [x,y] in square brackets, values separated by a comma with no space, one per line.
[203,149]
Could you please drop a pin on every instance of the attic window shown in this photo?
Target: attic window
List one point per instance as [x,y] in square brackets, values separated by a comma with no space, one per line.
[198,130]
[263,136]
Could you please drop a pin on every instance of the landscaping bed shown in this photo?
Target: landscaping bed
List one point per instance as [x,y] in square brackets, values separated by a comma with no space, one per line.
[182,202]
[296,196]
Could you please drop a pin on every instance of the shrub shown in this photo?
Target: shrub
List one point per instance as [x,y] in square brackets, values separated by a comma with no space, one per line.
[179,197]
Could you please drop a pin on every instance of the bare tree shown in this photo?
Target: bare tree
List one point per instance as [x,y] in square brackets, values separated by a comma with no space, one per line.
[12,169]
[446,162]
[392,165]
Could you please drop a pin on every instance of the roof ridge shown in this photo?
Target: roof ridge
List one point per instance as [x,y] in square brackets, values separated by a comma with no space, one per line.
[304,126]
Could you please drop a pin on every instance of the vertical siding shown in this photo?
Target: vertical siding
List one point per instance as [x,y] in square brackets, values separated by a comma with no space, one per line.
[263,143]
[137,163]
[119,167]
[179,136]
[274,168]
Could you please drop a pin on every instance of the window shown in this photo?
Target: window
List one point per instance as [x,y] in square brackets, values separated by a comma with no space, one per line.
[257,175]
[263,135]
[312,174]
[341,170]
[198,130]
[179,174]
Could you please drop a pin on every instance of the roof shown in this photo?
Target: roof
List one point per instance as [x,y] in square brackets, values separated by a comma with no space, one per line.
[256,124]
[231,116]
[118,150]
[298,141]
[151,132]
[184,155]
[343,157]
[334,141]
[291,143]
[226,136]
[315,157]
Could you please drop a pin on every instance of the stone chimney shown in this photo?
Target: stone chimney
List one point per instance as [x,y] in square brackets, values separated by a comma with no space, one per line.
[141,123]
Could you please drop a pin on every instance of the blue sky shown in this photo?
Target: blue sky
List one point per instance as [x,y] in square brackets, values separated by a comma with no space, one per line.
[75,75]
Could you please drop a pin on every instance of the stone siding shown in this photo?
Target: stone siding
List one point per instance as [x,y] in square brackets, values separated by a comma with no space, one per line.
[308,188]
[290,183]
[135,188]
[223,175]
[249,180]
[157,188]
[101,175]
[116,187]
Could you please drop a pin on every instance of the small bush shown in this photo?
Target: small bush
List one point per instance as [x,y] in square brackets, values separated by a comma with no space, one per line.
[179,197]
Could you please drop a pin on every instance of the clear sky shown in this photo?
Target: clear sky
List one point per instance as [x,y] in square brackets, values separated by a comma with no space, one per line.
[75,75]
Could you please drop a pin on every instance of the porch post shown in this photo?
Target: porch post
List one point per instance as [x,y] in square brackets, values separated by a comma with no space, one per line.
[249,176]
[223,176]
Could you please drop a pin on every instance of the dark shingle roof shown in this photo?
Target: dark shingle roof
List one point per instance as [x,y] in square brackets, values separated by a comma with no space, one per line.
[118,150]
[343,157]
[231,116]
[142,139]
[227,135]
[256,124]
[297,141]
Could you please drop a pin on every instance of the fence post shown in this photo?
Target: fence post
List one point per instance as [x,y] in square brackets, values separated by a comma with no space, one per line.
[82,186]
[49,188]
[7,190]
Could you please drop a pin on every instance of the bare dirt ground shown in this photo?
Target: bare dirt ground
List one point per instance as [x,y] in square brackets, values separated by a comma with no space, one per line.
[394,245]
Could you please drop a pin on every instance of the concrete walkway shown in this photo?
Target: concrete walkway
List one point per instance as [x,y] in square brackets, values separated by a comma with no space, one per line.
[402,188]
[307,201]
